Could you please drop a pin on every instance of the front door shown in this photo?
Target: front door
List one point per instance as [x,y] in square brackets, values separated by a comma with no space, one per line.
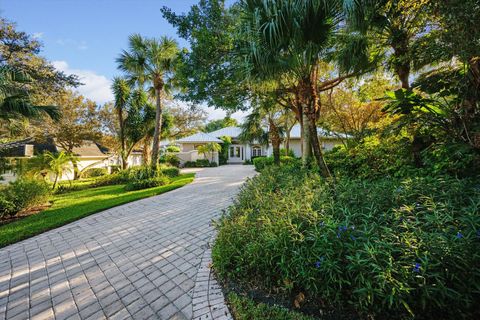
[236,154]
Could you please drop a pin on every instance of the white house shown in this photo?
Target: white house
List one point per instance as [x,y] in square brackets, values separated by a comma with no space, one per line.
[89,155]
[241,151]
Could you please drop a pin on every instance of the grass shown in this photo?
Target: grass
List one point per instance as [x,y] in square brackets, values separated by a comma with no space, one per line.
[243,308]
[75,205]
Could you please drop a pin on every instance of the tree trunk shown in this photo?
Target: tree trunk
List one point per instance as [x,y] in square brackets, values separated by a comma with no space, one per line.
[147,141]
[76,173]
[275,137]
[158,129]
[55,182]
[122,139]
[306,147]
[287,141]
[317,151]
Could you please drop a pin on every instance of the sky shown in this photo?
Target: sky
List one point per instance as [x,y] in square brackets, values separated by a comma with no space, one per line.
[84,37]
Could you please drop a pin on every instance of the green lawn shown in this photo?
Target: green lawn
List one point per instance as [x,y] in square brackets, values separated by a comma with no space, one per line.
[74,205]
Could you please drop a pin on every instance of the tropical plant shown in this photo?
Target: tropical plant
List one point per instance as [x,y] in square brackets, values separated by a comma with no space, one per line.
[58,164]
[293,40]
[209,148]
[121,93]
[15,101]
[150,62]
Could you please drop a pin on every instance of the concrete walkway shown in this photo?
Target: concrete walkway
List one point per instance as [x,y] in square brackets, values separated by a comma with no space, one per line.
[140,260]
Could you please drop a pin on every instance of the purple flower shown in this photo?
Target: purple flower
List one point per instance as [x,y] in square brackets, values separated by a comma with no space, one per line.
[478,233]
[417,267]
[459,235]
[318,263]
[353,237]
[338,235]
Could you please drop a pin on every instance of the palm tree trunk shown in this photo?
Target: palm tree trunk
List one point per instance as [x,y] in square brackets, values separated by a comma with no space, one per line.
[76,173]
[55,182]
[306,147]
[275,137]
[158,129]
[122,139]
[146,152]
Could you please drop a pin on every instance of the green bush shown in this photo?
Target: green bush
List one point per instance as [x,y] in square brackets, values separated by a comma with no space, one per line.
[189,164]
[213,164]
[147,183]
[290,153]
[172,149]
[23,194]
[120,177]
[171,159]
[94,172]
[390,248]
[261,163]
[170,171]
[200,163]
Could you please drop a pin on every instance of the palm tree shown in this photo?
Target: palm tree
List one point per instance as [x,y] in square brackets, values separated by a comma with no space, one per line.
[394,24]
[210,148]
[15,100]
[150,62]
[263,115]
[288,38]
[58,164]
[121,93]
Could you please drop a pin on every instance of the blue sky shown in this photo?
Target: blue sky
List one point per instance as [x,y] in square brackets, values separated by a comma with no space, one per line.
[85,36]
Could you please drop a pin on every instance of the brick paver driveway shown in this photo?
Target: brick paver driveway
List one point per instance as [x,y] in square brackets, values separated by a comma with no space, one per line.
[138,260]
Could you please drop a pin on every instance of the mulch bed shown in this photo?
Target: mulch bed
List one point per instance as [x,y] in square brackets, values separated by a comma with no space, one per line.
[307,306]
[23,214]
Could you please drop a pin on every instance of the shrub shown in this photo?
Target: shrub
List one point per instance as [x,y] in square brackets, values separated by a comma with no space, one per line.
[200,163]
[23,194]
[189,164]
[390,248]
[94,172]
[171,159]
[290,153]
[171,171]
[213,164]
[172,149]
[261,162]
[111,179]
[146,183]
[115,168]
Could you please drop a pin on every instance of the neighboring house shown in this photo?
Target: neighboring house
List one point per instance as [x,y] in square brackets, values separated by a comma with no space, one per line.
[89,155]
[240,151]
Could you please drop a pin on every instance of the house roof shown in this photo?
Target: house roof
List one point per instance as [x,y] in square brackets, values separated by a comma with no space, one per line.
[296,133]
[87,149]
[200,137]
[18,148]
[232,132]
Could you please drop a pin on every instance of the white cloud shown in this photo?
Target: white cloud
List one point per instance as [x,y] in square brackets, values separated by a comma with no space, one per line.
[80,45]
[37,35]
[95,87]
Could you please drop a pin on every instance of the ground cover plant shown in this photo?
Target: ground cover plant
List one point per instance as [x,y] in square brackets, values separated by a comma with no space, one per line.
[391,247]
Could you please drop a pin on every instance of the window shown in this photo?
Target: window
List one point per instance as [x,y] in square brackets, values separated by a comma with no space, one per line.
[256,151]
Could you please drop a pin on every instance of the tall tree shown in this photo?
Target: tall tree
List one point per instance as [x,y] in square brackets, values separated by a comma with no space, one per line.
[217,124]
[394,25]
[20,51]
[151,62]
[291,39]
[121,93]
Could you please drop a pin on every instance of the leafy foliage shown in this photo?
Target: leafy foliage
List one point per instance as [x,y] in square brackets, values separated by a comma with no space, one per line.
[387,248]
[22,194]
